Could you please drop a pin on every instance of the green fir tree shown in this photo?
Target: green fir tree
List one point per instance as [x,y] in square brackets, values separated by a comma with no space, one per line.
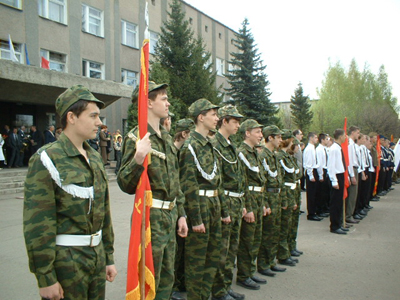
[300,109]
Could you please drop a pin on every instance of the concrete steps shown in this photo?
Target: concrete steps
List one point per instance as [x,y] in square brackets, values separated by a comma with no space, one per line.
[12,180]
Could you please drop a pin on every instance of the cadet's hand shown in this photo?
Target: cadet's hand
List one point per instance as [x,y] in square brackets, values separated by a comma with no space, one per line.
[249,217]
[226,220]
[285,207]
[143,148]
[182,227]
[353,181]
[268,211]
[54,291]
[312,180]
[295,207]
[244,211]
[321,180]
[363,177]
[336,187]
[111,272]
[199,228]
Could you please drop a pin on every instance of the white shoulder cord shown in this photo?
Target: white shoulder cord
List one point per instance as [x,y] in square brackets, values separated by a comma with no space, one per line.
[228,161]
[266,167]
[286,168]
[204,174]
[72,189]
[246,162]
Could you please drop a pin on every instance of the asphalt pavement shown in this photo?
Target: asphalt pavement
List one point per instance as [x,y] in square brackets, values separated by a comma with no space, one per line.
[364,264]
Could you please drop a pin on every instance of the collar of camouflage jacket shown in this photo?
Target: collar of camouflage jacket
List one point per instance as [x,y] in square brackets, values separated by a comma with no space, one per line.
[203,141]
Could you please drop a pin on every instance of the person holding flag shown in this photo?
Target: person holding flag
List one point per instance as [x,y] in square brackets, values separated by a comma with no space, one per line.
[163,174]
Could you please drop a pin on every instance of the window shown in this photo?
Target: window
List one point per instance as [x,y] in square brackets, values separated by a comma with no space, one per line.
[191,21]
[220,67]
[55,10]
[153,41]
[208,62]
[57,60]
[220,35]
[92,20]
[153,2]
[92,69]
[129,78]
[206,28]
[129,34]
[12,3]
[6,53]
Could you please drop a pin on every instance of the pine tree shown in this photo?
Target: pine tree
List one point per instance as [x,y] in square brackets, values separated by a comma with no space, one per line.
[300,108]
[184,58]
[249,84]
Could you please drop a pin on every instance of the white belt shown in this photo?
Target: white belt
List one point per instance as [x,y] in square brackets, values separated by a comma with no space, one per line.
[233,194]
[208,193]
[91,240]
[256,188]
[163,204]
[291,185]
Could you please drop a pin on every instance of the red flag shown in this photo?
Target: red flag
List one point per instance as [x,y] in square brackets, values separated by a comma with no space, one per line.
[140,238]
[391,138]
[45,63]
[345,149]
[378,167]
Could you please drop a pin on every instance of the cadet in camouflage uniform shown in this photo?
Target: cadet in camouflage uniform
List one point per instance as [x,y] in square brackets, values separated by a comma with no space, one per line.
[297,198]
[163,172]
[200,176]
[287,197]
[234,186]
[250,233]
[67,220]
[271,223]
[182,133]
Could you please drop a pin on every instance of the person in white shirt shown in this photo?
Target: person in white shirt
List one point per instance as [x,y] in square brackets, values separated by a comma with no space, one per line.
[322,195]
[351,199]
[362,176]
[310,168]
[336,169]
[370,171]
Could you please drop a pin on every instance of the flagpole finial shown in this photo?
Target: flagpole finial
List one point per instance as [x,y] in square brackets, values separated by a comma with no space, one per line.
[147,22]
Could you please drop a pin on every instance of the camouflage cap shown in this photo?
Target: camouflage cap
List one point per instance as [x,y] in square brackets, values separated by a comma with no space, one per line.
[200,105]
[296,141]
[73,95]
[152,87]
[269,130]
[229,110]
[184,124]
[286,134]
[248,125]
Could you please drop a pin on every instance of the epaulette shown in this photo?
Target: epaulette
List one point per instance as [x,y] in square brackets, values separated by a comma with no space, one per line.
[152,151]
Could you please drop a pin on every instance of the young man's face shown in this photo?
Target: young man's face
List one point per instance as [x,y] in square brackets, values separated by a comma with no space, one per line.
[342,139]
[325,141]
[210,119]
[275,141]
[232,126]
[361,141]
[167,124]
[160,106]
[355,134]
[254,136]
[86,125]
[299,136]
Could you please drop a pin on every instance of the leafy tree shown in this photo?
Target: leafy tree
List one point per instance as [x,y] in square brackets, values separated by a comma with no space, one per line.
[249,84]
[300,109]
[184,59]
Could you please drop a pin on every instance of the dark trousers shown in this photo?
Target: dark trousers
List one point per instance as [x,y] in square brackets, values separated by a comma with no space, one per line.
[323,194]
[363,192]
[381,180]
[336,204]
[311,190]
[372,176]
[389,178]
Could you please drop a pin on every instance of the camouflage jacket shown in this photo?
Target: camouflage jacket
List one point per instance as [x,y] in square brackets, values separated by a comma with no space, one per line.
[254,176]
[56,173]
[271,168]
[192,180]
[288,168]
[163,169]
[231,165]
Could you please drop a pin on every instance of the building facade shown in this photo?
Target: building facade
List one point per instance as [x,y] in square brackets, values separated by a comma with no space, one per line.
[58,43]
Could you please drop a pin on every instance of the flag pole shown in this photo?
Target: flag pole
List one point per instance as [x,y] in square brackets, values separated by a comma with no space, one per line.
[142,265]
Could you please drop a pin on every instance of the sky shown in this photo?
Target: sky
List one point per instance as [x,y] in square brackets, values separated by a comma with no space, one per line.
[298,39]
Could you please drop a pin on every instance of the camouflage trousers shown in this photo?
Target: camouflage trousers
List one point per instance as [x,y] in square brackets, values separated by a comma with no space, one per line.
[202,251]
[286,221]
[250,239]
[163,243]
[179,284]
[270,233]
[229,248]
[81,271]
[295,221]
